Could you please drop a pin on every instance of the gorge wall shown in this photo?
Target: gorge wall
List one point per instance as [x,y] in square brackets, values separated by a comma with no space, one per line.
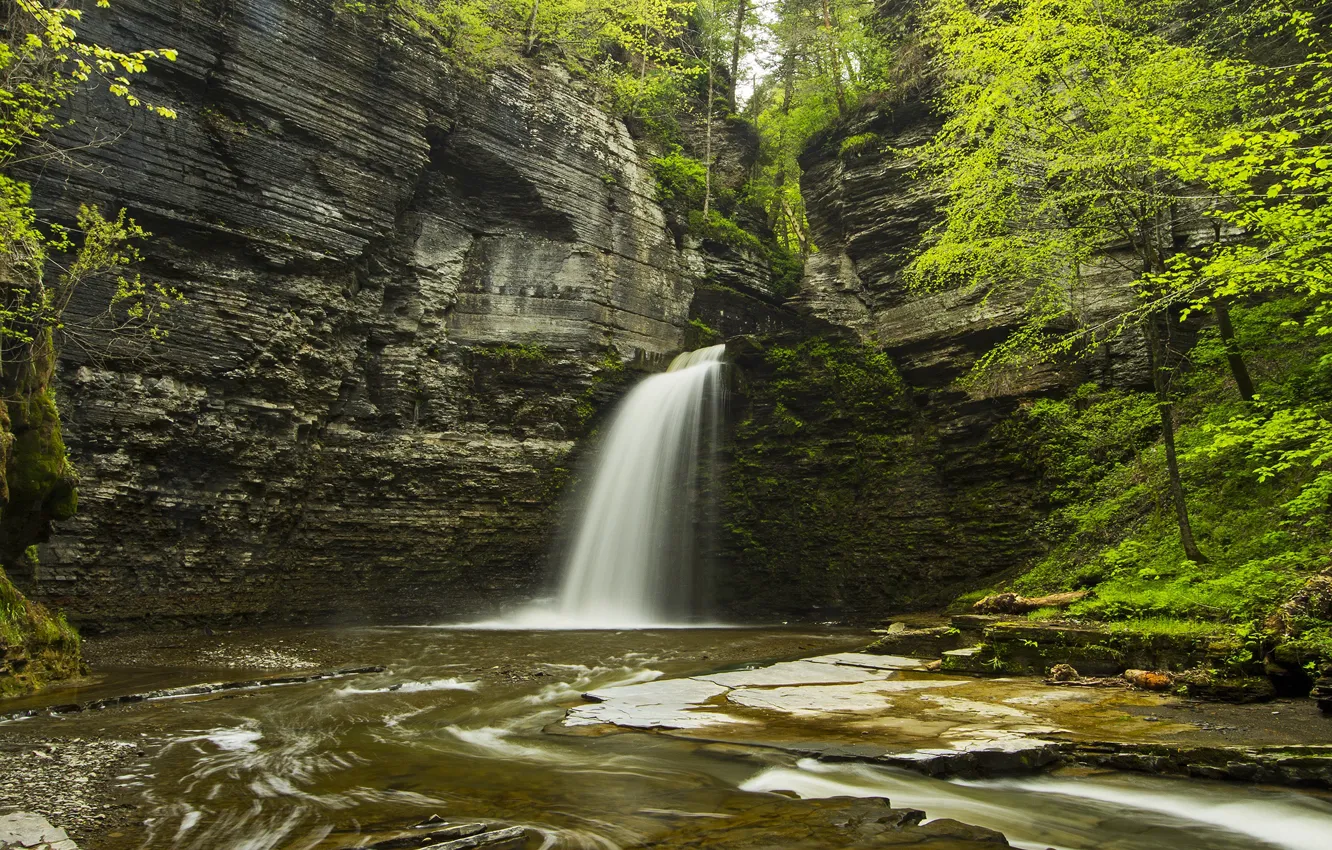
[409,292]
[413,291]
[864,478]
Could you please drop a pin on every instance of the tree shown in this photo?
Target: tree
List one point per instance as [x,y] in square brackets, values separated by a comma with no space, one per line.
[43,63]
[1066,120]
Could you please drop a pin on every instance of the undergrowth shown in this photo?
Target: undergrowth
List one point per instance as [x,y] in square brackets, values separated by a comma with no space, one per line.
[1257,491]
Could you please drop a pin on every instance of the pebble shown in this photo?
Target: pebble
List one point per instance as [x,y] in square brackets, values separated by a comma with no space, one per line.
[65,781]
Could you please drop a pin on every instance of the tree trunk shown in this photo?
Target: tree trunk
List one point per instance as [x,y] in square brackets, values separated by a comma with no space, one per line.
[1234,357]
[787,72]
[1157,362]
[836,70]
[707,148]
[531,28]
[737,36]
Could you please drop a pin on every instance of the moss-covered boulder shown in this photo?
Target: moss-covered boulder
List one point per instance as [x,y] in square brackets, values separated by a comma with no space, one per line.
[35,647]
[38,485]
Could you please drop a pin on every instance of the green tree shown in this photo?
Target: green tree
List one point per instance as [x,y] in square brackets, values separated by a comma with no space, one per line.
[43,63]
[1066,119]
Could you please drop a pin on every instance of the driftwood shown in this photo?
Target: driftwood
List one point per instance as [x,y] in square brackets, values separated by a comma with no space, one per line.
[1011,603]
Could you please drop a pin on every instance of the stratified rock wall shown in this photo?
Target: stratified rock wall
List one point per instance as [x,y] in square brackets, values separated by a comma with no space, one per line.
[410,291]
[865,479]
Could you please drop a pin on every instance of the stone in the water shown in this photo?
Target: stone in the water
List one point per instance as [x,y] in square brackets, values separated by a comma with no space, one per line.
[667,704]
[846,823]
[814,700]
[513,838]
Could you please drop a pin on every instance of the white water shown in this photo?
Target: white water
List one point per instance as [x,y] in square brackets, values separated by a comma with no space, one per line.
[1108,812]
[633,560]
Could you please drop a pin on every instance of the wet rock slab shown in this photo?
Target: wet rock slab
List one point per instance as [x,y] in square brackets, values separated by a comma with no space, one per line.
[32,832]
[886,710]
[668,704]
[810,672]
[438,834]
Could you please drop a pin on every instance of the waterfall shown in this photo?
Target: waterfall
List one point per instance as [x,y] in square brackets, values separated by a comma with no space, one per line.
[634,556]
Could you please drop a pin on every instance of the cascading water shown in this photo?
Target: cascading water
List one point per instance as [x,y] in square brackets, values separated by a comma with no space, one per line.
[633,560]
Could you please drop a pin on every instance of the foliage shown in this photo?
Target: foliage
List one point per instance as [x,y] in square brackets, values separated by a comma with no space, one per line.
[858,143]
[635,47]
[1064,120]
[787,267]
[1258,509]
[42,63]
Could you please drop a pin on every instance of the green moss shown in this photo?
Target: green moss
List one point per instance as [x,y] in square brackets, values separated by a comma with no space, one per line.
[701,334]
[610,372]
[39,475]
[513,353]
[826,454]
[35,647]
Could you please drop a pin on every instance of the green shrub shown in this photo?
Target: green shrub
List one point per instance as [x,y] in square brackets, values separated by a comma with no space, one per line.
[681,180]
[716,227]
[857,144]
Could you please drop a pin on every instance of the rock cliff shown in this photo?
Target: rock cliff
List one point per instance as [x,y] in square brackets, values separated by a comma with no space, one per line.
[410,291]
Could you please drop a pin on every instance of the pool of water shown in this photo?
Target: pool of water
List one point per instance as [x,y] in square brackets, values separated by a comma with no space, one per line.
[455,726]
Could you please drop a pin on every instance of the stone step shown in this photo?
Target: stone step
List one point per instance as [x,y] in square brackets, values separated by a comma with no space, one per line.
[965,660]
[919,643]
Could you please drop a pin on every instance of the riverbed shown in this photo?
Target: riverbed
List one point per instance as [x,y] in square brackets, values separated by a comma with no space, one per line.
[468,725]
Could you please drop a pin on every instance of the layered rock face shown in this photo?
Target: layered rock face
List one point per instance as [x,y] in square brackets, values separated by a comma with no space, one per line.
[865,477]
[409,292]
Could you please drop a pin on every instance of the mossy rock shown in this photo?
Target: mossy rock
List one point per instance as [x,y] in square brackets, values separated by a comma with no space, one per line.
[36,648]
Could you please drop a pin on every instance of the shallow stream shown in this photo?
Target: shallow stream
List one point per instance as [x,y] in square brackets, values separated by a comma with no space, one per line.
[454,727]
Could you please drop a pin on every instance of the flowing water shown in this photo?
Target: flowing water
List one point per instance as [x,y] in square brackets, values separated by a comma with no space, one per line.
[456,727]
[635,559]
